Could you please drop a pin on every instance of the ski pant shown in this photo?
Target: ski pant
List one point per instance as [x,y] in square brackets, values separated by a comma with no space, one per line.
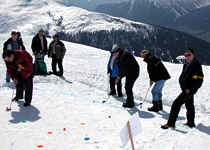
[129,82]
[112,86]
[56,61]
[25,85]
[157,90]
[188,100]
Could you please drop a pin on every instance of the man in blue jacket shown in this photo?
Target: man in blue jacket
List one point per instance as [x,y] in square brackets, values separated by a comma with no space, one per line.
[112,68]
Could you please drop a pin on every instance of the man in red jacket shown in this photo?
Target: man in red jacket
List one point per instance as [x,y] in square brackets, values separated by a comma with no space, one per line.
[20,69]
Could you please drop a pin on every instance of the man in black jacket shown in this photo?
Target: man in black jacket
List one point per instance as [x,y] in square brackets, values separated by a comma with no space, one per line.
[190,81]
[39,45]
[158,74]
[129,68]
[57,51]
[13,43]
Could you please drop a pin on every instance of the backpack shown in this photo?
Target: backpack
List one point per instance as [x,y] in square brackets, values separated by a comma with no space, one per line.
[40,67]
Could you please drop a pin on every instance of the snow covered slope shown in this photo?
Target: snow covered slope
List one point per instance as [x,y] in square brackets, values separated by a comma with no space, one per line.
[75,103]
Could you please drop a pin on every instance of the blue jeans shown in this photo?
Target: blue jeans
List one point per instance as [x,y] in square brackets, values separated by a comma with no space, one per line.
[7,77]
[157,90]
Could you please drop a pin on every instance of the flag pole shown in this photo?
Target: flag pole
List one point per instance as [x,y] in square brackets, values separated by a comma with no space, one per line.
[130,134]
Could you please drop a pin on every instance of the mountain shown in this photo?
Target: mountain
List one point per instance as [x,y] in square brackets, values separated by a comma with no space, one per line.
[95,29]
[157,12]
[86,4]
[196,22]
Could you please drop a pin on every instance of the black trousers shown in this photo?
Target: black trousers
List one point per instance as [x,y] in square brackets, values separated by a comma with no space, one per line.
[130,80]
[188,100]
[56,61]
[112,86]
[25,85]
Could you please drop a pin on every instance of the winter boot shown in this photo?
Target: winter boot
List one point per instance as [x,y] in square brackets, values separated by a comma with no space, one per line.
[160,104]
[166,126]
[26,104]
[128,105]
[155,106]
[189,125]
[112,93]
[16,99]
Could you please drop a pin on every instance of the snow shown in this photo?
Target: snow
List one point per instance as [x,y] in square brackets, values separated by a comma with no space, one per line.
[30,16]
[68,102]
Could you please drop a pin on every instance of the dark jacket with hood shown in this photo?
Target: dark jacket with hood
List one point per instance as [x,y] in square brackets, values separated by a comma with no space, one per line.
[191,77]
[60,49]
[155,68]
[127,64]
[36,45]
[8,45]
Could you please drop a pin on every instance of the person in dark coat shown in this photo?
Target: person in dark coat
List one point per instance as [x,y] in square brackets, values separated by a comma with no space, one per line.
[190,81]
[112,68]
[39,45]
[13,43]
[57,51]
[19,65]
[158,74]
[128,68]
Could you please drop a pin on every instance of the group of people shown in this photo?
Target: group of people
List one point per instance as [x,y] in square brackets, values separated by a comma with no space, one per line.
[19,62]
[123,64]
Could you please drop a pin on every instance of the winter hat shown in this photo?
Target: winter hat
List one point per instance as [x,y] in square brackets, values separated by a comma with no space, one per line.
[18,34]
[115,48]
[41,30]
[144,53]
[55,36]
[190,50]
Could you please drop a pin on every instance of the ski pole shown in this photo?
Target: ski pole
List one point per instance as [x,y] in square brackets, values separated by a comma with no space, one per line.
[10,106]
[145,97]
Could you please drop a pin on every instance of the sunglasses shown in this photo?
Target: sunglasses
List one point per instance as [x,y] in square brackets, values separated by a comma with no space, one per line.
[187,55]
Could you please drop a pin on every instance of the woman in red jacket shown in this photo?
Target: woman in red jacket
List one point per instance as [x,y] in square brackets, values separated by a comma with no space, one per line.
[20,69]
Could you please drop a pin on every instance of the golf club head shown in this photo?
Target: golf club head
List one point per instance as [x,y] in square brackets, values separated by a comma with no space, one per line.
[8,109]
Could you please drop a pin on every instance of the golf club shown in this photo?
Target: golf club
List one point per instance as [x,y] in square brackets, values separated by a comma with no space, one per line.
[10,106]
[145,97]
[104,101]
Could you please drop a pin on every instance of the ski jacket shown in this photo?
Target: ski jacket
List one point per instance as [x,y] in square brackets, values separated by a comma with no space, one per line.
[36,45]
[127,64]
[8,45]
[192,77]
[23,60]
[60,49]
[115,67]
[155,68]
